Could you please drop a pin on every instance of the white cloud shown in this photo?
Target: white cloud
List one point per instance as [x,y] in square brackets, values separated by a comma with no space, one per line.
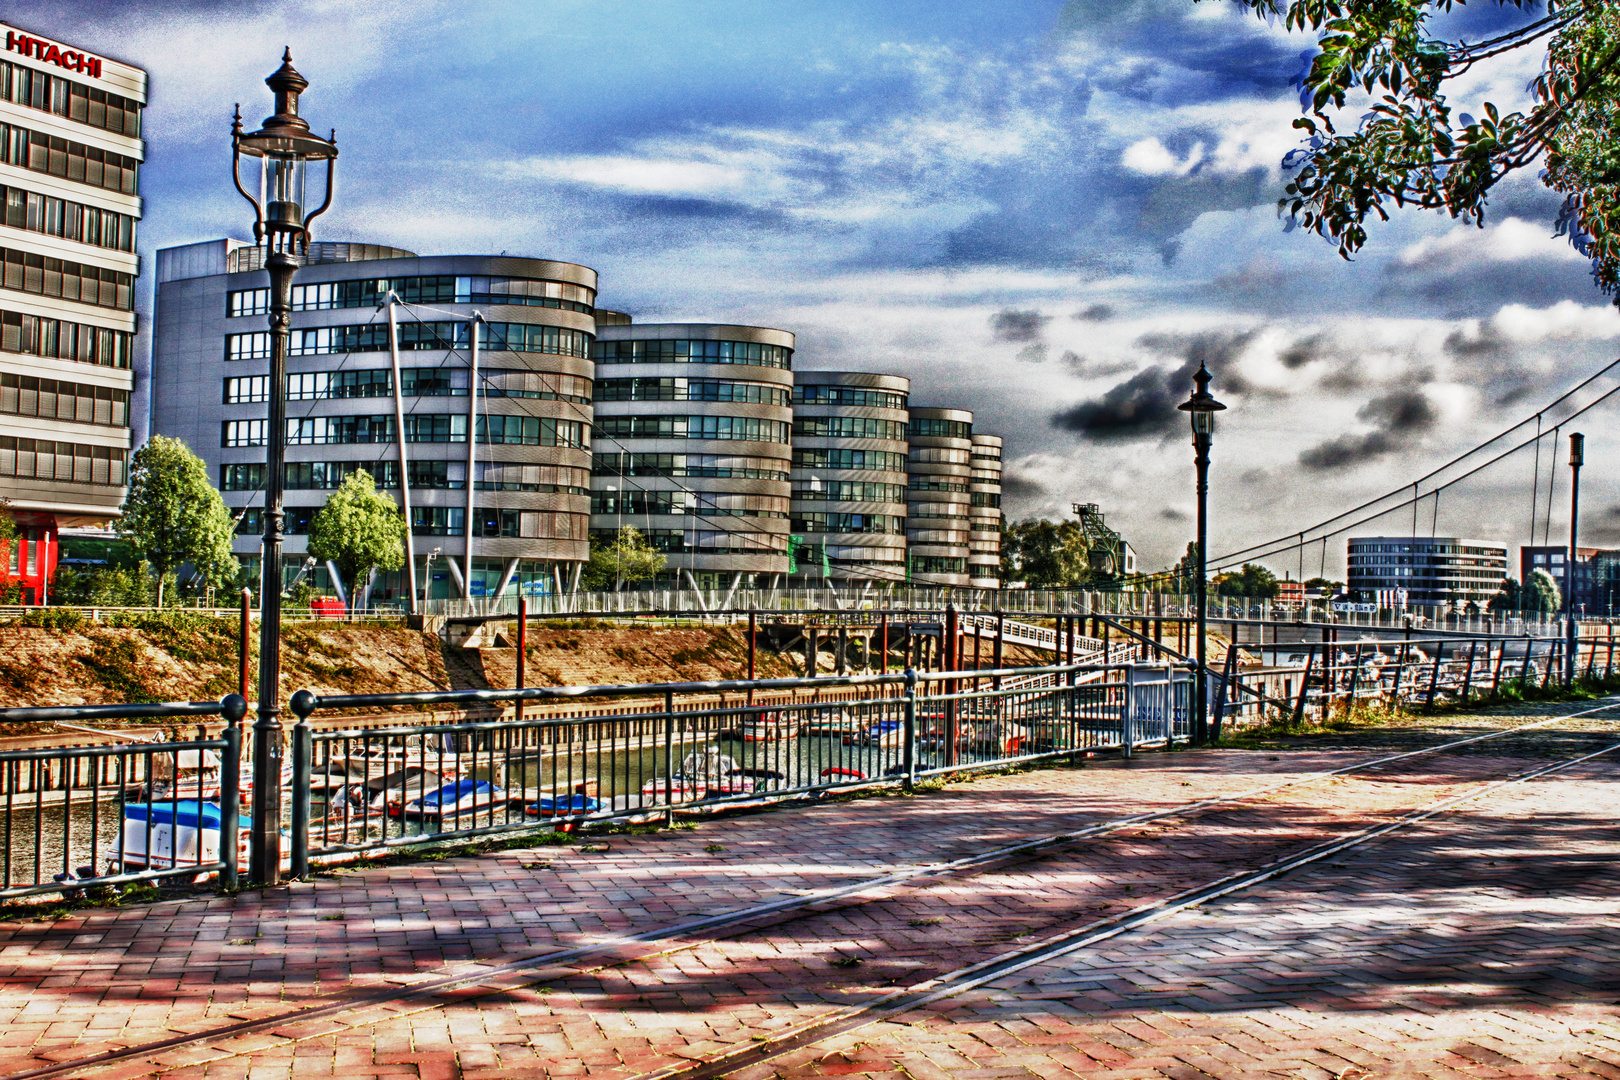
[1151,158]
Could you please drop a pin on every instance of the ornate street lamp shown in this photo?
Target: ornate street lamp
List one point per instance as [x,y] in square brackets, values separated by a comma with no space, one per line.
[1202,406]
[284,147]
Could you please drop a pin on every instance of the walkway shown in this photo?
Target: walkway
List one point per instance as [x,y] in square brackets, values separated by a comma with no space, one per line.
[1480,941]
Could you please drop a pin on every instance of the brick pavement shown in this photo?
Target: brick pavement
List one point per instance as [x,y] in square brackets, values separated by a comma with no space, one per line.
[107,980]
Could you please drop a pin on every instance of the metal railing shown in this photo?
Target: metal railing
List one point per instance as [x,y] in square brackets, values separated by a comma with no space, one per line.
[1315,679]
[130,811]
[356,790]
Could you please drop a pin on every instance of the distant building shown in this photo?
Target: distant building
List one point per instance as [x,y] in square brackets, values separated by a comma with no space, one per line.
[70,156]
[1425,571]
[1291,592]
[1597,574]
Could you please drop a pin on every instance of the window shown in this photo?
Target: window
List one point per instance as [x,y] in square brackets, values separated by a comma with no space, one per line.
[982,498]
[243,302]
[940,429]
[848,395]
[248,346]
[531,524]
[849,523]
[63,462]
[700,503]
[986,453]
[67,219]
[436,428]
[937,564]
[65,158]
[249,477]
[59,399]
[84,104]
[373,292]
[433,382]
[538,385]
[317,430]
[705,465]
[849,427]
[693,427]
[317,385]
[495,337]
[816,490]
[329,475]
[871,460]
[531,431]
[244,432]
[691,390]
[247,389]
[511,476]
[438,520]
[918,484]
[692,352]
[49,276]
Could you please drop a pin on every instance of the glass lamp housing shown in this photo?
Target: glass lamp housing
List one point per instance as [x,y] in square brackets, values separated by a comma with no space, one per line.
[1203,422]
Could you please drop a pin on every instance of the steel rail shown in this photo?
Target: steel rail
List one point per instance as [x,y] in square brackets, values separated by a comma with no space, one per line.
[560,962]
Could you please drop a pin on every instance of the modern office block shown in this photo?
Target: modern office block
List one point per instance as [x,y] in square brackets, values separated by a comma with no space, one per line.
[1399,570]
[849,475]
[693,430]
[529,460]
[938,498]
[984,512]
[70,156]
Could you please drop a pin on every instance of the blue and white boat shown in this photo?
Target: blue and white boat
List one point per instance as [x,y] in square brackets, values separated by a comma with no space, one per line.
[564,805]
[166,835]
[460,797]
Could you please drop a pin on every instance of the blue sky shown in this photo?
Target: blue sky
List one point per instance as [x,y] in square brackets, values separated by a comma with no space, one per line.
[1044,212]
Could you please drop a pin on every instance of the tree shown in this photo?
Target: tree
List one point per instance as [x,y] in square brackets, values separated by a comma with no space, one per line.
[1252,580]
[358,530]
[10,591]
[1510,597]
[1411,149]
[1046,554]
[173,515]
[1541,592]
[628,559]
[1325,585]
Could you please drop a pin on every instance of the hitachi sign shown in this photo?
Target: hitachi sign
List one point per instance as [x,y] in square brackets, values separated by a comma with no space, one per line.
[50,53]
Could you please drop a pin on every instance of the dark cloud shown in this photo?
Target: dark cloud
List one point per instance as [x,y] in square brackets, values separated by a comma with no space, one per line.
[1170,513]
[1144,406]
[1033,354]
[1486,341]
[1085,367]
[1011,325]
[1307,350]
[1019,488]
[1094,313]
[1465,284]
[1398,419]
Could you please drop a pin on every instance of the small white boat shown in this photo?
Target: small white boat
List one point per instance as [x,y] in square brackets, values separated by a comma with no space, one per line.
[770,726]
[179,833]
[704,775]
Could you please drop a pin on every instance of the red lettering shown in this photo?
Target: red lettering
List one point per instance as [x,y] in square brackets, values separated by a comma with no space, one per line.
[53,55]
[95,67]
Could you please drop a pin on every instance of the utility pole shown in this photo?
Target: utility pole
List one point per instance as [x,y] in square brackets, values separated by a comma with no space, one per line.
[1577,458]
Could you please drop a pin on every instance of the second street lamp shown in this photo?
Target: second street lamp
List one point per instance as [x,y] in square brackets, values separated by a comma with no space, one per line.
[285,147]
[1202,406]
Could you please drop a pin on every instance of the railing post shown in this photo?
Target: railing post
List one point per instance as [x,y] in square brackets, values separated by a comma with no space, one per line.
[669,758]
[519,674]
[303,703]
[233,709]
[910,745]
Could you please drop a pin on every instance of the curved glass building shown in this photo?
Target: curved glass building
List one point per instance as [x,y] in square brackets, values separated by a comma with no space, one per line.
[518,493]
[849,475]
[693,447]
[984,512]
[938,500]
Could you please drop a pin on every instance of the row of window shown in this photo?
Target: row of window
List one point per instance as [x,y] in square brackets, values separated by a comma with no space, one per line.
[941,429]
[814,490]
[1357,547]
[50,276]
[920,484]
[848,395]
[855,460]
[886,524]
[64,462]
[747,428]
[491,476]
[69,220]
[449,521]
[59,399]
[62,340]
[414,382]
[849,427]
[714,466]
[419,428]
[68,159]
[704,541]
[692,352]
[74,100]
[986,453]
[937,564]
[984,498]
[688,502]
[494,337]
[691,390]
[437,289]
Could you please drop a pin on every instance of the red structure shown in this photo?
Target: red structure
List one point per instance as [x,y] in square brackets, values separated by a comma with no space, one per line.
[28,563]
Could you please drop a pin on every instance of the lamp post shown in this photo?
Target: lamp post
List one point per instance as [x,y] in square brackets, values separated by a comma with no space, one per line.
[285,147]
[1577,458]
[1202,406]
